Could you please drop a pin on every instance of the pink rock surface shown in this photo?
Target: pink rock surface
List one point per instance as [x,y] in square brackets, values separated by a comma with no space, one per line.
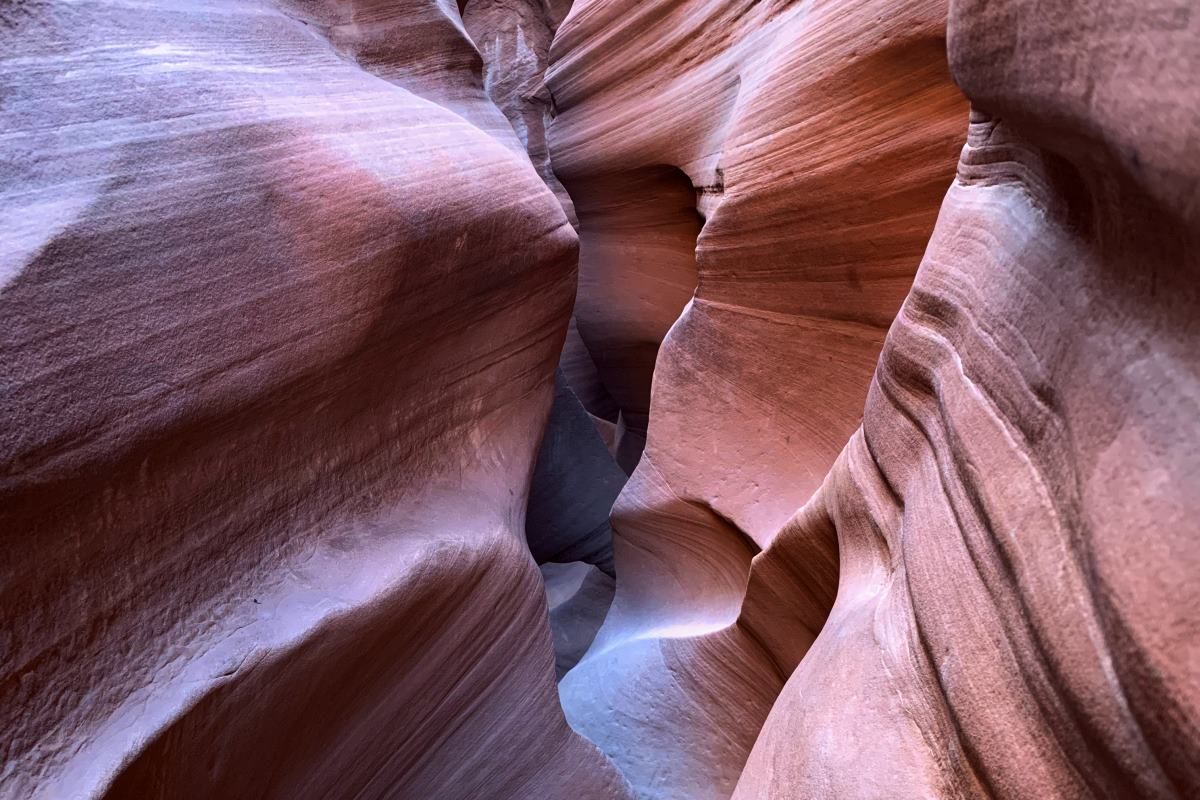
[283,288]
[784,163]
[513,37]
[1017,610]
[282,299]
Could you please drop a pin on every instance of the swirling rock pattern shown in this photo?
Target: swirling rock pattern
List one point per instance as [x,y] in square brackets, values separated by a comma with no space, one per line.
[283,288]
[513,37]
[1017,610]
[1011,529]
[576,480]
[789,176]
[282,299]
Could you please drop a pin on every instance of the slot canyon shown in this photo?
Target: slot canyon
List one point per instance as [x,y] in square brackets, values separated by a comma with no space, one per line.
[599,400]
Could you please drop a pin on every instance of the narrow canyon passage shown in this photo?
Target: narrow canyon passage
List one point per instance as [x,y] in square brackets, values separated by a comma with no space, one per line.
[552,400]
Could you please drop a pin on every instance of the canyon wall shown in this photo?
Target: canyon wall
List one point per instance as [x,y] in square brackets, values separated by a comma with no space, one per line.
[1002,492]
[1017,609]
[575,480]
[891,310]
[282,298]
[773,172]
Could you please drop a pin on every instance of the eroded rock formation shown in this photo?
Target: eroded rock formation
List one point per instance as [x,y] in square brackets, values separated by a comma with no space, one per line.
[294,400]
[282,301]
[513,37]
[1008,530]
[1017,516]
[772,127]
[575,480]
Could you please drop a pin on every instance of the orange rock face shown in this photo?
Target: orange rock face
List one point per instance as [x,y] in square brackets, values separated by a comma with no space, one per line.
[1016,615]
[1011,616]
[891,310]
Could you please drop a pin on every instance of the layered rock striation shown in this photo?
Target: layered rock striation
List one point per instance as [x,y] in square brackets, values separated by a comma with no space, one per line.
[773,172]
[1016,615]
[1008,528]
[889,309]
[282,301]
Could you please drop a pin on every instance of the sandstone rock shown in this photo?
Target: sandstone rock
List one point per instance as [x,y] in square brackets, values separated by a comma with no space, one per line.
[282,291]
[1017,607]
[637,271]
[514,36]
[786,163]
[579,596]
[282,298]
[579,368]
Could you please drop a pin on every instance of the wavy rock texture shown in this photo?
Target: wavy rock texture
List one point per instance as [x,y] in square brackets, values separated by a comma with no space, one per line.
[579,595]
[513,37]
[1017,517]
[789,176]
[1011,530]
[282,299]
[283,287]
[576,480]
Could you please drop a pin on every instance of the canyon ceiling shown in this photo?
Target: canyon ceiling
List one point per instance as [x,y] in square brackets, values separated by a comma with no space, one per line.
[657,399]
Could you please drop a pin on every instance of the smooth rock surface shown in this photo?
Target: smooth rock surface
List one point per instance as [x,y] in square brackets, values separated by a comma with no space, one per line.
[579,595]
[286,308]
[1017,610]
[785,163]
[282,299]
[513,37]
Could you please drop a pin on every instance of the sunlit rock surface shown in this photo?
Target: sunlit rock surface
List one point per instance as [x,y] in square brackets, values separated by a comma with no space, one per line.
[282,300]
